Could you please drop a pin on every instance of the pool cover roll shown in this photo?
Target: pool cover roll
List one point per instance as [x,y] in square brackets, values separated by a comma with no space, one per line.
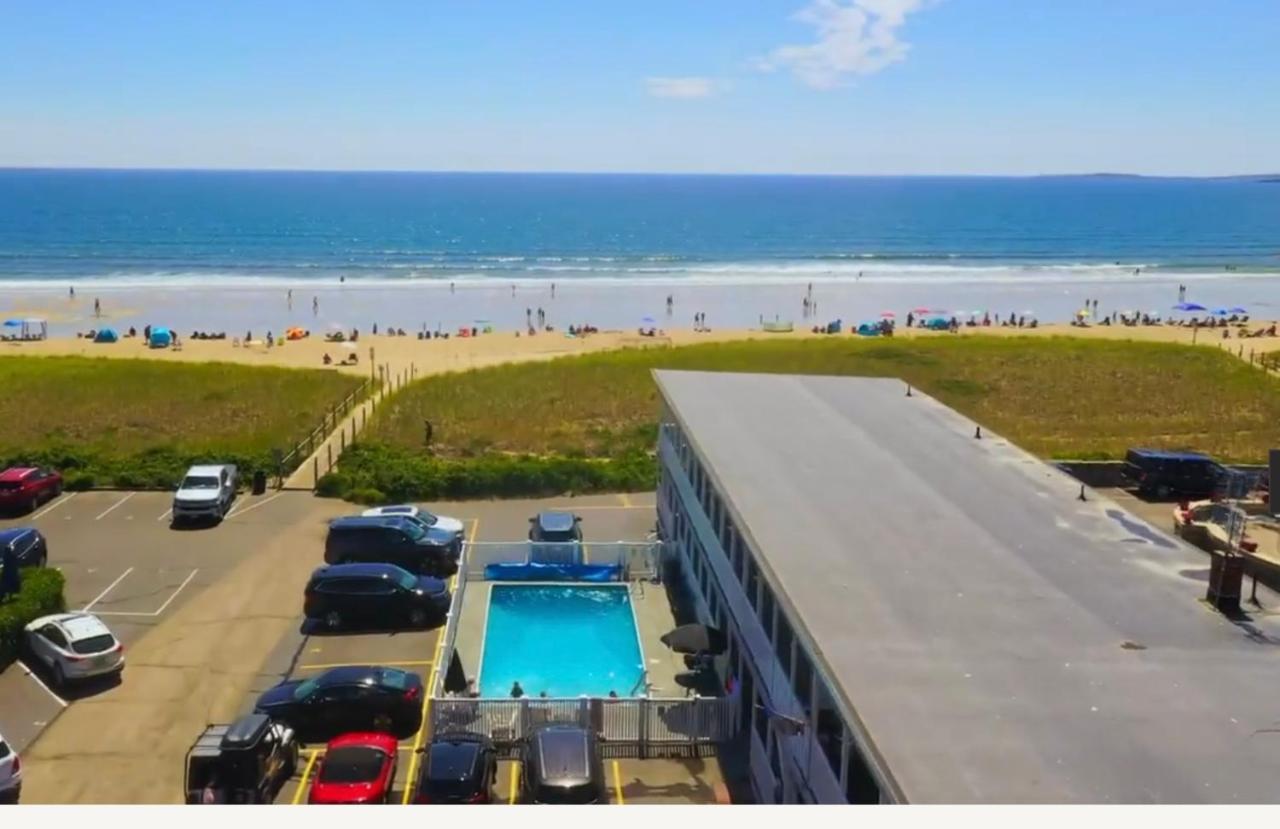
[552,572]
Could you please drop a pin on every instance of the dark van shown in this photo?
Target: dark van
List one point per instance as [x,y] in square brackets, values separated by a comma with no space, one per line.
[390,540]
[1160,475]
[562,765]
[376,595]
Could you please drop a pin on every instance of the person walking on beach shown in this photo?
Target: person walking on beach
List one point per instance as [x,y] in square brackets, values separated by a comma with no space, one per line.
[528,317]
[450,287]
[72,291]
[289,299]
[670,304]
[553,290]
[513,289]
[97,307]
[315,305]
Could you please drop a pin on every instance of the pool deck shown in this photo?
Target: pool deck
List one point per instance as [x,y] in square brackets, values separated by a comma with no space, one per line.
[653,619]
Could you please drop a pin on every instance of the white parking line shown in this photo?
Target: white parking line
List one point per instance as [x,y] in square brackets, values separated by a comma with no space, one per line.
[237,511]
[167,513]
[37,680]
[152,613]
[54,505]
[108,510]
[110,587]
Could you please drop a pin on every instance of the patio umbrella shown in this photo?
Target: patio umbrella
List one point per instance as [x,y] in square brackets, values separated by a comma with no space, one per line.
[695,639]
[1189,306]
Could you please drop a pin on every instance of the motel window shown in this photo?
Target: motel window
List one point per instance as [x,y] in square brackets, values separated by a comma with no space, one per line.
[802,680]
[747,696]
[830,727]
[759,721]
[766,611]
[859,784]
[733,549]
[751,582]
[702,577]
[782,644]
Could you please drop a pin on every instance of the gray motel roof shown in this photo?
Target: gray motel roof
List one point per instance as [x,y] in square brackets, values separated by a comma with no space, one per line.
[1000,640]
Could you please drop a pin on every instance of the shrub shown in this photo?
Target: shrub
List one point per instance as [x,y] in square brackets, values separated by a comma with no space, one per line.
[41,594]
[76,480]
[377,473]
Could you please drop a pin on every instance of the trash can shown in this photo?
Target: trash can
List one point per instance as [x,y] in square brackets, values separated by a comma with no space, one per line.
[1226,578]
[259,482]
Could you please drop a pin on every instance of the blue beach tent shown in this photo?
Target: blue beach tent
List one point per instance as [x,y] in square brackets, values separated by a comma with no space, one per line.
[106,335]
[161,338]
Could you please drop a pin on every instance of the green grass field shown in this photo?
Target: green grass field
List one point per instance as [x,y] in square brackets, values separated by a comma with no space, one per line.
[141,418]
[1059,397]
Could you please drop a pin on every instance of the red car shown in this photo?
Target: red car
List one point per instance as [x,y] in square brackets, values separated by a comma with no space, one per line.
[357,769]
[26,487]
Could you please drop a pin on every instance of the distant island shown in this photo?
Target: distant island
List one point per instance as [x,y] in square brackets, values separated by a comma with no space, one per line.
[1257,178]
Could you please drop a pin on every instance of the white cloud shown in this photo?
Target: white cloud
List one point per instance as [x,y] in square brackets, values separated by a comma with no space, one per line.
[855,37]
[684,88]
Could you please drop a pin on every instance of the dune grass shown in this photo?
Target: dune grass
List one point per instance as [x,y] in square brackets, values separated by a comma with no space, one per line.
[134,422]
[1059,397]
[586,423]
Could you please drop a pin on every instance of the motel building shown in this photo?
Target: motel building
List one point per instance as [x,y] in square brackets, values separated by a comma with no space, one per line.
[920,612]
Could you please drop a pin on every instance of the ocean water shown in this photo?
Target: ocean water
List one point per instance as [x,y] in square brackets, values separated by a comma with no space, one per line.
[176,228]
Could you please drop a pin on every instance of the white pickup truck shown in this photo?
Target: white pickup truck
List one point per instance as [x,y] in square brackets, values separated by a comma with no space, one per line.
[205,492]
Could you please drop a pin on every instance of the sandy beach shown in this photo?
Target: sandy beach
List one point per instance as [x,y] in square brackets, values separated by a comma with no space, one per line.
[459,353]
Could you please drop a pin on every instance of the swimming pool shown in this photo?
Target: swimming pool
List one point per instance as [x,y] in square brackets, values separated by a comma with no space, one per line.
[566,640]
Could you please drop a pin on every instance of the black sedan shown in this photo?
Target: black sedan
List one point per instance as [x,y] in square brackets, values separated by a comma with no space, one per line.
[457,768]
[351,698]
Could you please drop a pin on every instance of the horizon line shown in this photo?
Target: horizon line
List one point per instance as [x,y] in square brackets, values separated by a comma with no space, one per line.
[721,174]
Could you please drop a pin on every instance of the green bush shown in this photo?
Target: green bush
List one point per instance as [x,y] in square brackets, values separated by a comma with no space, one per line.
[377,473]
[75,480]
[41,594]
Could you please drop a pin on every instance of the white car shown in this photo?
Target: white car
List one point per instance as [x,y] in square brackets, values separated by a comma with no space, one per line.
[439,522]
[74,646]
[10,773]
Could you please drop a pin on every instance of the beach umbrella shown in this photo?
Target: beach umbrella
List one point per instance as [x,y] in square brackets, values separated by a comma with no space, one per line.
[648,321]
[1238,310]
[919,310]
[1189,306]
[887,314]
[1083,313]
[695,639]
[12,323]
[1220,312]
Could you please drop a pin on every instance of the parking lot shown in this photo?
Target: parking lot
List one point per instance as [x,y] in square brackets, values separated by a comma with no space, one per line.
[211,616]
[124,562]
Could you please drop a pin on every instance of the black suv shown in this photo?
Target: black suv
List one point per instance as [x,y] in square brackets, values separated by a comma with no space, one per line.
[561,764]
[457,768]
[244,762]
[381,595]
[1158,474]
[393,540]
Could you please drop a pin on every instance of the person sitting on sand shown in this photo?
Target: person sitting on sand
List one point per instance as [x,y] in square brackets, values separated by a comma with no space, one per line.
[516,691]
[328,361]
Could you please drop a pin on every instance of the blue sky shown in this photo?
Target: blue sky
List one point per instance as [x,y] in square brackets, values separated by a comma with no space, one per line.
[790,86]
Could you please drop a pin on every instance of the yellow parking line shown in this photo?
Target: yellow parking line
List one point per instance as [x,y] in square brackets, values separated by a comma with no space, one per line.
[515,781]
[306,773]
[328,665]
[617,783]
[431,681]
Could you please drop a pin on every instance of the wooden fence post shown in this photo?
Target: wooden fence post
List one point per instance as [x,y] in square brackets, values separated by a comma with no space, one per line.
[315,471]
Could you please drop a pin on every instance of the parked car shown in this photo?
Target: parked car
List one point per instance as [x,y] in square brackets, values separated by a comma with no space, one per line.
[27,487]
[206,492]
[247,761]
[443,523]
[561,764]
[457,768]
[350,698]
[1159,474]
[556,537]
[357,769]
[74,646]
[379,595]
[28,545]
[391,539]
[10,773]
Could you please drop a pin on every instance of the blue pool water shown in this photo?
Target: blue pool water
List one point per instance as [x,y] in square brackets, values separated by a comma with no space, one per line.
[566,640]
